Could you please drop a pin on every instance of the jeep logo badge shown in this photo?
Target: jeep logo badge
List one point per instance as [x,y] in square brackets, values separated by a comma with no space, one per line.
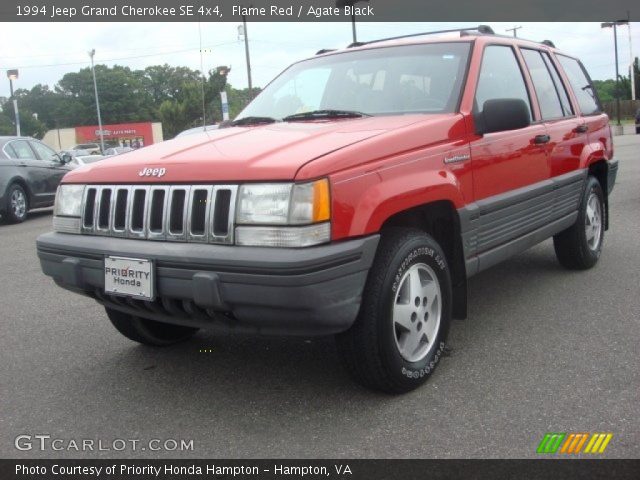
[152,172]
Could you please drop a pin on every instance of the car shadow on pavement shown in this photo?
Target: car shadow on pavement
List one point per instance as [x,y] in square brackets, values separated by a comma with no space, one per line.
[212,366]
[32,215]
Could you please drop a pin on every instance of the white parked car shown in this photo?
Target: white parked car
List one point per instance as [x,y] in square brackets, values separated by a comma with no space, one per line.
[191,131]
[84,160]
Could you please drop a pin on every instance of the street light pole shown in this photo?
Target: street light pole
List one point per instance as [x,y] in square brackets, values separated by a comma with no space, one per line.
[615,46]
[95,89]
[246,51]
[13,75]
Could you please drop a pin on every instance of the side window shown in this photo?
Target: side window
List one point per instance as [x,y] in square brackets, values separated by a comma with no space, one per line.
[546,91]
[8,149]
[44,152]
[22,149]
[562,90]
[581,85]
[500,77]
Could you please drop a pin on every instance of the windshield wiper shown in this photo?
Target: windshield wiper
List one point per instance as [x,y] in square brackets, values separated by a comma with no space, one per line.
[318,114]
[252,121]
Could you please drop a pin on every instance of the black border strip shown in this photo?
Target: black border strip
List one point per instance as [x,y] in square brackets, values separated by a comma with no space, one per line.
[317,10]
[547,469]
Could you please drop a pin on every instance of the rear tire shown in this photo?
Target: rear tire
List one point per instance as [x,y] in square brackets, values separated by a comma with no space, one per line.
[148,332]
[17,204]
[399,335]
[579,246]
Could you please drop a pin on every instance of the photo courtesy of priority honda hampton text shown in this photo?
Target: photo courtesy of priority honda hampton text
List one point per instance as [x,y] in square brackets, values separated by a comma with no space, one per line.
[354,196]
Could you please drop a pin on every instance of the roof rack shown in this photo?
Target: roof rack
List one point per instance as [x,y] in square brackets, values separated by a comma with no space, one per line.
[481,29]
[325,50]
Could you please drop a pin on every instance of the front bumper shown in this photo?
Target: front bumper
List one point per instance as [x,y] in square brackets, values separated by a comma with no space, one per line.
[306,291]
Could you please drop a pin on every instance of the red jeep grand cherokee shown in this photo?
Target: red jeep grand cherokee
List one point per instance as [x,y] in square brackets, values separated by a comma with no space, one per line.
[354,196]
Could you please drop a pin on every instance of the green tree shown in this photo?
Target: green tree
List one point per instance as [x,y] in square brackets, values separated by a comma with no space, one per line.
[172,95]
[607,89]
[123,97]
[30,126]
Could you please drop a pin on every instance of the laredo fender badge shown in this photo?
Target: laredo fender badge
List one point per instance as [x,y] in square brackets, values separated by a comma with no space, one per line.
[457,158]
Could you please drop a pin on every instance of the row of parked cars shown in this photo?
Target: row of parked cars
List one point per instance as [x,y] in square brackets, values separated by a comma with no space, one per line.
[31,171]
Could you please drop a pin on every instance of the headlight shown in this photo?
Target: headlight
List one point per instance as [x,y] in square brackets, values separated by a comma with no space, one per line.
[69,201]
[266,203]
[68,208]
[303,210]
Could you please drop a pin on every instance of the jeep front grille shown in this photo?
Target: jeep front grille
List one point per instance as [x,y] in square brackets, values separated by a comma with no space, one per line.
[181,213]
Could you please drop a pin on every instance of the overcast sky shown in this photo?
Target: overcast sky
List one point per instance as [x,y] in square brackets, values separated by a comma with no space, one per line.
[44,52]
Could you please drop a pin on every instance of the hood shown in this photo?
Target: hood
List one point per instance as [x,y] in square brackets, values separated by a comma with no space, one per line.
[268,152]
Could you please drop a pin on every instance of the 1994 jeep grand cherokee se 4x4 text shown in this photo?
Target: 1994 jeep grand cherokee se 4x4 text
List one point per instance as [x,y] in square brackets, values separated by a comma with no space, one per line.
[354,196]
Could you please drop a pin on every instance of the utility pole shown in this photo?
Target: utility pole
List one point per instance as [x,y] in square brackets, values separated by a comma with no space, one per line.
[350,4]
[13,75]
[95,89]
[246,51]
[514,30]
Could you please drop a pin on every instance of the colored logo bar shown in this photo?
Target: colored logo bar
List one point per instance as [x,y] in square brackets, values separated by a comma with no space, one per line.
[573,443]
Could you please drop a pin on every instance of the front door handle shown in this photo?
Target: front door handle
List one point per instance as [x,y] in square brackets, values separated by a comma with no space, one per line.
[582,128]
[540,139]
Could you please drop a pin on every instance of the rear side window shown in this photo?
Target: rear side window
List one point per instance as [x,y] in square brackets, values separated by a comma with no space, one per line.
[500,77]
[550,106]
[22,149]
[8,149]
[581,85]
[562,90]
[44,152]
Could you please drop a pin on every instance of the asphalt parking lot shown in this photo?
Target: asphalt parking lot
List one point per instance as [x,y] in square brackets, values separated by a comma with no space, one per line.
[543,350]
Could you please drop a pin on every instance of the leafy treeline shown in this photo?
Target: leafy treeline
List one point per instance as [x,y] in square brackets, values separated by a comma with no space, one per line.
[159,93]
[607,88]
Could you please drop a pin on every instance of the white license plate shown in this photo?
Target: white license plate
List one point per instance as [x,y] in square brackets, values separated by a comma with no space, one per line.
[130,277]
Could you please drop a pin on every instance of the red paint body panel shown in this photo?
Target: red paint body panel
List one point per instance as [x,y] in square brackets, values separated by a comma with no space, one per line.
[379,166]
[405,171]
[261,153]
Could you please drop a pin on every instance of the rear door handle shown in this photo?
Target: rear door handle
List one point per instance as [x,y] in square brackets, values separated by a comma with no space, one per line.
[582,128]
[540,139]
[23,164]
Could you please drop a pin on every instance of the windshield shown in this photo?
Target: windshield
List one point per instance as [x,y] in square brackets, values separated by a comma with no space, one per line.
[382,81]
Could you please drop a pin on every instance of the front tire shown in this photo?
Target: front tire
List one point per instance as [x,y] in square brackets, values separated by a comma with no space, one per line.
[579,247]
[17,204]
[148,332]
[400,333]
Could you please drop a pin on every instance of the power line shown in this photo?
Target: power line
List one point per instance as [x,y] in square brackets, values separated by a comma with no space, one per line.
[119,58]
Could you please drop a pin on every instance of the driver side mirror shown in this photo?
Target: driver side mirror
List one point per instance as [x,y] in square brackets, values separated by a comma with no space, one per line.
[66,158]
[501,114]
